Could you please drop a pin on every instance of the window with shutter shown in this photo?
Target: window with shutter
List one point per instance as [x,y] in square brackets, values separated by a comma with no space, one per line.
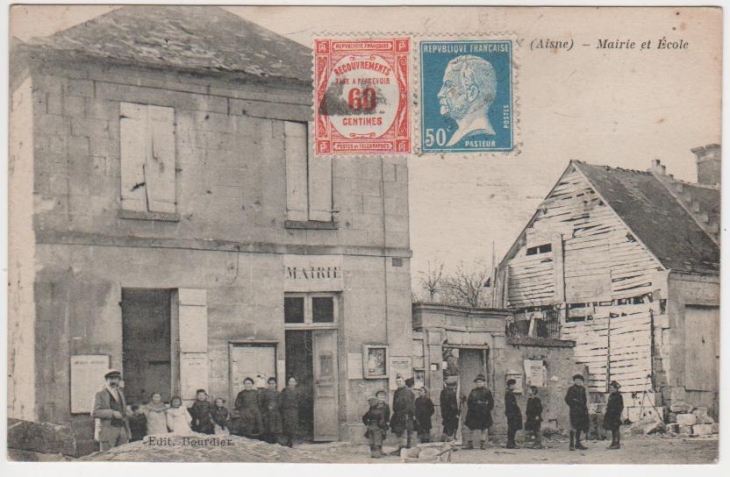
[308,178]
[147,135]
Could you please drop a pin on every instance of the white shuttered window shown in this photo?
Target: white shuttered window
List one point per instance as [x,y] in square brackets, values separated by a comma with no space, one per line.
[147,136]
[308,178]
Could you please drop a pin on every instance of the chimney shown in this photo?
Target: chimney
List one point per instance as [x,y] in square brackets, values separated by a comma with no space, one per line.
[658,168]
[708,164]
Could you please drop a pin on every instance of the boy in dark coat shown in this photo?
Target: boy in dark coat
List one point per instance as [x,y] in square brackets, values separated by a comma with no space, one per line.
[533,415]
[201,413]
[376,421]
[513,413]
[449,412]
[404,408]
[479,414]
[612,418]
[424,411]
[577,400]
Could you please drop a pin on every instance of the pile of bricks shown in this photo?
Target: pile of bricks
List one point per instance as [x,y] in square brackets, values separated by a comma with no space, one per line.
[686,420]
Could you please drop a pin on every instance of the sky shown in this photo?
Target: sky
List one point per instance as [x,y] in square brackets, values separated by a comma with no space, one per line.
[621,108]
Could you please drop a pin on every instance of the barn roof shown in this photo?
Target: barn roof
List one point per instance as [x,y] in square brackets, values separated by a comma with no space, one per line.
[189,38]
[657,218]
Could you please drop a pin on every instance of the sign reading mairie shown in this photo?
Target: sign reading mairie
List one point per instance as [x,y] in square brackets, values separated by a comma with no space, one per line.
[312,273]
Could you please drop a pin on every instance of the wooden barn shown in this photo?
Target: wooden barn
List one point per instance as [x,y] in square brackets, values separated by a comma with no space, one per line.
[626,264]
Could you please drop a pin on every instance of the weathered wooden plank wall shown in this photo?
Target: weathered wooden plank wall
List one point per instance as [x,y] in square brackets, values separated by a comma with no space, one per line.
[602,262]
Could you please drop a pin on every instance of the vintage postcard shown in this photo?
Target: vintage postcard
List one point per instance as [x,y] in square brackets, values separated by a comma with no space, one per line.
[485,235]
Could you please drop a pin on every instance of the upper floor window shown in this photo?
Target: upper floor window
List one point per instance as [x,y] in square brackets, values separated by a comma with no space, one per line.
[310,308]
[308,178]
[147,135]
[540,249]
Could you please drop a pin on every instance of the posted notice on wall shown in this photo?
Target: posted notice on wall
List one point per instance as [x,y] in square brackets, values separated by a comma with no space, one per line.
[535,373]
[87,377]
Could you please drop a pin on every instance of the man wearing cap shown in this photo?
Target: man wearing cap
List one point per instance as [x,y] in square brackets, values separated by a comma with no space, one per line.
[478,414]
[577,401]
[404,408]
[110,414]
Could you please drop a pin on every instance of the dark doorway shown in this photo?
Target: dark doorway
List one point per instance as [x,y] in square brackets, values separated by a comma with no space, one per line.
[299,363]
[146,343]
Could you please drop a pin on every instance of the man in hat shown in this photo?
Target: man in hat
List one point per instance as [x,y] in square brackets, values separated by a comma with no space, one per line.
[478,414]
[513,413]
[404,408]
[109,410]
[577,401]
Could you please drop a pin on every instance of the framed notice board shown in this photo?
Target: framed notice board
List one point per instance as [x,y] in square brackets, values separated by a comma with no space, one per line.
[87,377]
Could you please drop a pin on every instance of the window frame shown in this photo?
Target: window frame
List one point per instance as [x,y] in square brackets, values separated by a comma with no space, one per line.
[309,313]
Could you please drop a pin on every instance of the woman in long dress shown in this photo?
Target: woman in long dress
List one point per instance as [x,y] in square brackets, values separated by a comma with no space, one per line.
[290,411]
[178,418]
[249,422]
[155,412]
[271,412]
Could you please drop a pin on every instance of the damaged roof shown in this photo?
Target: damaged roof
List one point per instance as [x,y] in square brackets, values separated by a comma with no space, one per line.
[656,217]
[197,38]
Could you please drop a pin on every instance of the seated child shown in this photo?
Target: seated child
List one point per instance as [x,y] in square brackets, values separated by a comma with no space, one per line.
[220,418]
[201,413]
[178,418]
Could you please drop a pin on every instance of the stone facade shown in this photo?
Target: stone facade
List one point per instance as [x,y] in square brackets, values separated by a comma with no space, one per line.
[226,244]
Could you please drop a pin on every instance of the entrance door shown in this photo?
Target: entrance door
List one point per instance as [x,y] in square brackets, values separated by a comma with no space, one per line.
[326,422]
[702,350]
[471,364]
[146,344]
[249,361]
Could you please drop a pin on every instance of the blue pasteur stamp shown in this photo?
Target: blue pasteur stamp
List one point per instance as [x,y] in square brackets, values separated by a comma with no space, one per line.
[466,95]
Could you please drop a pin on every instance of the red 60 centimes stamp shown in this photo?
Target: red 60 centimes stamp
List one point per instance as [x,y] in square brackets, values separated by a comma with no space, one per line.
[361,91]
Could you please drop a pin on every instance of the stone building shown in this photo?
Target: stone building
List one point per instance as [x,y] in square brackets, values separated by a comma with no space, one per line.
[626,263]
[168,218]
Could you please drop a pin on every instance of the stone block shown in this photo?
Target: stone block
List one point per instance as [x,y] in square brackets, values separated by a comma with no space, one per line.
[653,425]
[681,408]
[702,416]
[702,429]
[671,418]
[685,430]
[80,87]
[686,419]
[74,106]
[715,428]
[41,437]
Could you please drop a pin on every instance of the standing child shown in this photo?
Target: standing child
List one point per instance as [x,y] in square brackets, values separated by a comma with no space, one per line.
[478,414]
[178,418]
[404,407]
[513,413]
[612,419]
[154,411]
[201,413]
[577,401]
[533,421]
[376,421]
[449,411]
[424,411]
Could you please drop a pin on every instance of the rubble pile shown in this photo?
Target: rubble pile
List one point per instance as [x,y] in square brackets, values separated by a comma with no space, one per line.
[206,448]
[685,420]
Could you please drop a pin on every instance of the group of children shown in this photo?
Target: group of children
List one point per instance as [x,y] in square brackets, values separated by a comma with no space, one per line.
[157,417]
[411,413]
[266,414]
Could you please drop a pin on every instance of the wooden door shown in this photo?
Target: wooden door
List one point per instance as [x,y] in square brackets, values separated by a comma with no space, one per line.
[326,421]
[702,350]
[247,360]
